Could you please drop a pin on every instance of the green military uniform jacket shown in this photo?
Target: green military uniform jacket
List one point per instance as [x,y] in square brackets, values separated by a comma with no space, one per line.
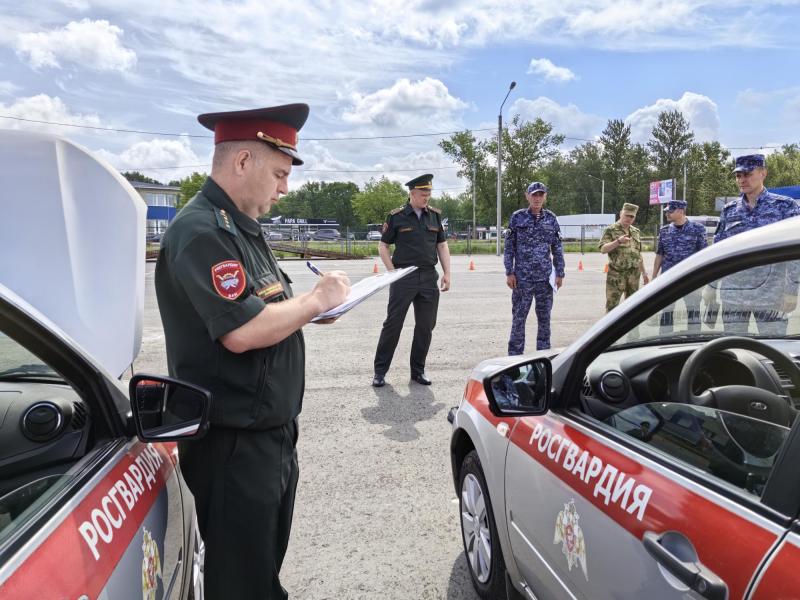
[415,239]
[215,272]
[624,257]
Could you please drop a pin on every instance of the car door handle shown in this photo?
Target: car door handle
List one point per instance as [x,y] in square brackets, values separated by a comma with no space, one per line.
[674,552]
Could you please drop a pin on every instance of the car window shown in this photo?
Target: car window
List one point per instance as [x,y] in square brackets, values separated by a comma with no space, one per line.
[737,449]
[45,433]
[684,382]
[17,362]
[755,302]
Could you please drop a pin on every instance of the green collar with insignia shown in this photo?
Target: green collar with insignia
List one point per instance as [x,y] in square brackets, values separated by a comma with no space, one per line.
[228,216]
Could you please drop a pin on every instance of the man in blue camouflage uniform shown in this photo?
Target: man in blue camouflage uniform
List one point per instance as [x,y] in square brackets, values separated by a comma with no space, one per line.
[676,241]
[767,293]
[533,250]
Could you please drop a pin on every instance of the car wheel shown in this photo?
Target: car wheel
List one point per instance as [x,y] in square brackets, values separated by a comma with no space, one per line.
[197,590]
[479,532]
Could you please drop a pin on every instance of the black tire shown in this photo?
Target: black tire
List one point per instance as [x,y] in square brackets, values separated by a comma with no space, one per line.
[489,580]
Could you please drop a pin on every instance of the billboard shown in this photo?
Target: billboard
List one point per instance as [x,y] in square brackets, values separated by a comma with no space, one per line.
[661,191]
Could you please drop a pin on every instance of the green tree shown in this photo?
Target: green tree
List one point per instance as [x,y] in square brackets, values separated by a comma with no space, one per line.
[466,151]
[615,142]
[708,176]
[320,200]
[378,199]
[670,139]
[527,146]
[137,176]
[189,187]
[634,187]
[783,167]
[454,208]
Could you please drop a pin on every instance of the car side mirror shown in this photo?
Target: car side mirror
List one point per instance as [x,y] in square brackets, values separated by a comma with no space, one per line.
[166,409]
[520,390]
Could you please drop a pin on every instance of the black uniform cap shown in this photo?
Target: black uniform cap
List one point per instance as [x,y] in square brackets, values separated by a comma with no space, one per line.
[274,125]
[423,182]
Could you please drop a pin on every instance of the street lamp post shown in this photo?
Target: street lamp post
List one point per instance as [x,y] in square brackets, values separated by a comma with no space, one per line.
[602,193]
[499,161]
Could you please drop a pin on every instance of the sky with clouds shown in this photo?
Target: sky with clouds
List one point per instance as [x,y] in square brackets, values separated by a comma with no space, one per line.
[391,68]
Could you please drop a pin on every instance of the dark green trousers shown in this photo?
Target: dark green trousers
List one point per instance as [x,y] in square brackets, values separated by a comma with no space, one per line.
[418,288]
[244,484]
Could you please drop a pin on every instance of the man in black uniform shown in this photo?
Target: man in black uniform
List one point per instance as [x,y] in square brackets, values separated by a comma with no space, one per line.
[418,236]
[233,327]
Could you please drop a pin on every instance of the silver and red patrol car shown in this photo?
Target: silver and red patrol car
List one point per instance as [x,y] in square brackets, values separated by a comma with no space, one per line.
[87,509]
[657,456]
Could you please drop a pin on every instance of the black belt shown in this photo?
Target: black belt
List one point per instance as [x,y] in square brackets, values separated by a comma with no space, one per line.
[420,267]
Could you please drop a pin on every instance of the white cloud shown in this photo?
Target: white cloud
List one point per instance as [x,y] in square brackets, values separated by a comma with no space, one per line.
[699,110]
[545,68]
[92,44]
[568,120]
[322,165]
[753,99]
[152,156]
[79,5]
[8,88]
[405,103]
[45,108]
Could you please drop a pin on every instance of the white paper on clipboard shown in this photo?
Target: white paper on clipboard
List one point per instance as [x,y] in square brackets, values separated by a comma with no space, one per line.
[362,290]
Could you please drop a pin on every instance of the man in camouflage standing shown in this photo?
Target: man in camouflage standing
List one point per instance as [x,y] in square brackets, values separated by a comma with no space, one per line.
[532,252]
[677,241]
[623,244]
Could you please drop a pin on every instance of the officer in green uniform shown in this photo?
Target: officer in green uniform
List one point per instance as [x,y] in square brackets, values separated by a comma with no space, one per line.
[623,244]
[418,236]
[233,326]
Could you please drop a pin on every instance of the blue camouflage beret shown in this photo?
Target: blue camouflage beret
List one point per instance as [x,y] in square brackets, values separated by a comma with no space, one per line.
[674,205]
[748,162]
[537,186]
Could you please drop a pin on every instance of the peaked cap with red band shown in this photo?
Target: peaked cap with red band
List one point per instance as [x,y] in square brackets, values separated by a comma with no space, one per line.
[275,125]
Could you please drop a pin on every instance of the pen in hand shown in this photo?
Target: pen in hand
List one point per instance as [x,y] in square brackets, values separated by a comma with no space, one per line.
[313,268]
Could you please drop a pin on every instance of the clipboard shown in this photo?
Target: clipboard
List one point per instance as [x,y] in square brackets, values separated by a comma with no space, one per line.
[362,290]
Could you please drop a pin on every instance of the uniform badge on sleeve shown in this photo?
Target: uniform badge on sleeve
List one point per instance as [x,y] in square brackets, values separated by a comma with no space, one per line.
[385,227]
[570,535]
[228,278]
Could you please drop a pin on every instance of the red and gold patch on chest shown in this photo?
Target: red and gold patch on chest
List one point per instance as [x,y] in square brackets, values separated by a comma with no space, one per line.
[228,279]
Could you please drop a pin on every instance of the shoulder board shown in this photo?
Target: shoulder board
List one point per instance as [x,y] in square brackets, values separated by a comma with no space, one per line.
[550,212]
[225,221]
[438,211]
[731,203]
[663,227]
[397,210]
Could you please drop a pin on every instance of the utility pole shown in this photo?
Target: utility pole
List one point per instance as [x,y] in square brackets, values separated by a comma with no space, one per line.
[499,162]
[474,169]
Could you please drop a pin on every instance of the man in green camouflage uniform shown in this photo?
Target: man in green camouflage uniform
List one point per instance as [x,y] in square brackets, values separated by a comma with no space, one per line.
[623,244]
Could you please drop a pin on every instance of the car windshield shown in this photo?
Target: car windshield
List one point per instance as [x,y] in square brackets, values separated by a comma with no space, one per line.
[16,362]
[755,302]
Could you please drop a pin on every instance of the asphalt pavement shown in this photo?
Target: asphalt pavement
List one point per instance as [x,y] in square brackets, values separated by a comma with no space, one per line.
[376,513]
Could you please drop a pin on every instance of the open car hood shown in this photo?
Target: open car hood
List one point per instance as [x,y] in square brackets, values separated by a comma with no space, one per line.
[73,243]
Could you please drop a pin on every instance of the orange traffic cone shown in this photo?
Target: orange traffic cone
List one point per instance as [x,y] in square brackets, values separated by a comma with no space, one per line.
[471,266]
[580,265]
[375,267]
[605,268]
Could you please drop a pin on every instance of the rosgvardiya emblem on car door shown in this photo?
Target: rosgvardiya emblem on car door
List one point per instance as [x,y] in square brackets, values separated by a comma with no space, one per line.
[151,568]
[570,535]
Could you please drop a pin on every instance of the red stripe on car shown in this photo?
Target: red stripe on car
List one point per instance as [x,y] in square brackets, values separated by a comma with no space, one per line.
[66,564]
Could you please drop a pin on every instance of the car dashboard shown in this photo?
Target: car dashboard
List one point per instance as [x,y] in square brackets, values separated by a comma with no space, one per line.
[620,379]
[44,430]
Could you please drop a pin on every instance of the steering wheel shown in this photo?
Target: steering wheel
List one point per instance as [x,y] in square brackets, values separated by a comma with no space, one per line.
[741,399]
